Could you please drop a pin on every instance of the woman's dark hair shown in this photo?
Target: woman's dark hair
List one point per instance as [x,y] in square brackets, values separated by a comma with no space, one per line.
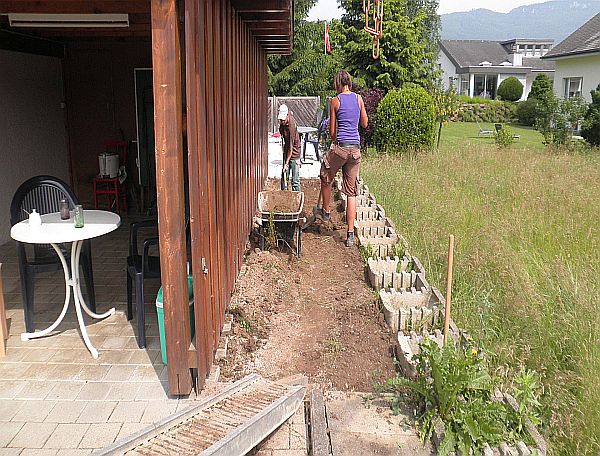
[342,79]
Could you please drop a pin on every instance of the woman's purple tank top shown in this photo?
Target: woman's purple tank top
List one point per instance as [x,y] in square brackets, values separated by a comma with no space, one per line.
[347,118]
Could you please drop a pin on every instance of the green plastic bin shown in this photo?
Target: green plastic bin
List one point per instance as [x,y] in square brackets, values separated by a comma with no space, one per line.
[160,312]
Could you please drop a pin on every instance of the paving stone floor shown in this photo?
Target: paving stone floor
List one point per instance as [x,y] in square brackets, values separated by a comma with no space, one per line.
[55,399]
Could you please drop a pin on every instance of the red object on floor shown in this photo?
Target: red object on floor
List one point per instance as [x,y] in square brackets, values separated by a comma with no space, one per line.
[110,186]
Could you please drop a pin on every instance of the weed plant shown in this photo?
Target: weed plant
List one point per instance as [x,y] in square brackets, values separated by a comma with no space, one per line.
[526,264]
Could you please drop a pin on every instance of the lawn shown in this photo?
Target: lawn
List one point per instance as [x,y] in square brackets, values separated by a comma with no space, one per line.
[527,260]
[468,133]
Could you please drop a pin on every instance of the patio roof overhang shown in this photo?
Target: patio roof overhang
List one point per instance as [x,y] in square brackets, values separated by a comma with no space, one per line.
[270,21]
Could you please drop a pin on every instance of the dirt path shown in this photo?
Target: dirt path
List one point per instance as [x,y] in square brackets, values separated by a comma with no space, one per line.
[314,315]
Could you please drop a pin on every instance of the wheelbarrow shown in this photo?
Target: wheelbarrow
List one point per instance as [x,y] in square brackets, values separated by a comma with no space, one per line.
[281,209]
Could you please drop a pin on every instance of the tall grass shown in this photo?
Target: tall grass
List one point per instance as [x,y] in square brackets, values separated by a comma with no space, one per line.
[527,263]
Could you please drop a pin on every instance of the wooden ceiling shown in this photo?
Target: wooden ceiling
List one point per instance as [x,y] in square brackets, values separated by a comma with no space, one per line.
[269,20]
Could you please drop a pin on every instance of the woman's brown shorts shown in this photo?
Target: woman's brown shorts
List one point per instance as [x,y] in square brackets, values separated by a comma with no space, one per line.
[346,158]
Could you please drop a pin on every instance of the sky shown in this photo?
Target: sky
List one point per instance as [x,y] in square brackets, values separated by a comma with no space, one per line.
[328,9]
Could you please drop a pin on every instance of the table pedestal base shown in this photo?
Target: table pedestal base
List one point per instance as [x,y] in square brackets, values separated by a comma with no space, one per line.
[72,282]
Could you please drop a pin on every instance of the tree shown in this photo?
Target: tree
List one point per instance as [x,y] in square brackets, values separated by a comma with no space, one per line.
[510,89]
[591,123]
[405,53]
[541,85]
[308,71]
[446,107]
[432,22]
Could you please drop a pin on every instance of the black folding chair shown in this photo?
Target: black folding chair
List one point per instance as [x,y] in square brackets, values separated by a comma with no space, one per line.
[44,194]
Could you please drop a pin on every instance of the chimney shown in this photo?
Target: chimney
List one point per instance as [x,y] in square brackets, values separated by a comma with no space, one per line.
[516,59]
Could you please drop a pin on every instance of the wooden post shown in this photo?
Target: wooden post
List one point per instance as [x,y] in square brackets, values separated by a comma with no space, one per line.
[448,288]
[166,58]
[3,323]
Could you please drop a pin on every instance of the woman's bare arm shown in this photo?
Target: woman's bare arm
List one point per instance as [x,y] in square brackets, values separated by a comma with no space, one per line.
[335,105]
[364,120]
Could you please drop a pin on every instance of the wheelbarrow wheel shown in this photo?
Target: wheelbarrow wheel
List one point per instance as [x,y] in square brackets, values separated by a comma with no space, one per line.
[299,240]
[261,237]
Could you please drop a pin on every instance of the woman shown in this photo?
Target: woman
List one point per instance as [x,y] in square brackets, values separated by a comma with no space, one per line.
[346,112]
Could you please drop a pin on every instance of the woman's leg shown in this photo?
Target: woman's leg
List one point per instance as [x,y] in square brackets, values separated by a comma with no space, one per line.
[351,212]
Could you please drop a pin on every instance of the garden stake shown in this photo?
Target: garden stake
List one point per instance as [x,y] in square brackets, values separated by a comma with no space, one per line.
[448,288]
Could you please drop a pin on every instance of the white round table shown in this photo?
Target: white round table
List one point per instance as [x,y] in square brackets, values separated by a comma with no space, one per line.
[303,132]
[55,231]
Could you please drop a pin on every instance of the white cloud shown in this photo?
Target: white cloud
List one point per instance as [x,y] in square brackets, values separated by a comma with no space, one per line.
[328,9]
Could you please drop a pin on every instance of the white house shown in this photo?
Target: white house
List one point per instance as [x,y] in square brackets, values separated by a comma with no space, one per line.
[577,61]
[477,67]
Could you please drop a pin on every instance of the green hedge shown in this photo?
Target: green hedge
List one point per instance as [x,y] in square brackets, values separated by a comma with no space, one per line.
[405,120]
[495,111]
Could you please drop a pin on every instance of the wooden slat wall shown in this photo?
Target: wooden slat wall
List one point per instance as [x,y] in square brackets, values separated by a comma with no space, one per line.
[227,139]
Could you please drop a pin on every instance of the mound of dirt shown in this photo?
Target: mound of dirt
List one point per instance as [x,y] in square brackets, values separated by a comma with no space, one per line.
[314,315]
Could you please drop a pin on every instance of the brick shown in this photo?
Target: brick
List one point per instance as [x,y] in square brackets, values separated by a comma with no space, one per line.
[153,392]
[10,389]
[128,429]
[39,452]
[36,390]
[100,435]
[67,436]
[123,391]
[65,412]
[33,435]
[94,391]
[9,408]
[65,390]
[96,412]
[33,411]
[73,452]
[128,412]
[298,436]
[157,410]
[278,440]
[8,431]
[10,451]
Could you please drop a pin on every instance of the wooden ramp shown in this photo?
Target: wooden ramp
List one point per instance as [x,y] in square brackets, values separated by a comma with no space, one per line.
[230,423]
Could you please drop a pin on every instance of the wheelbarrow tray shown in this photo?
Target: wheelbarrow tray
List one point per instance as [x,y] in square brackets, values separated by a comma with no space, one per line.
[268,201]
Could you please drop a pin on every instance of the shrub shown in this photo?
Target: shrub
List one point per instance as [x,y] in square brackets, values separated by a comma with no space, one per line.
[371,98]
[591,123]
[540,86]
[557,118]
[504,137]
[405,120]
[527,111]
[510,89]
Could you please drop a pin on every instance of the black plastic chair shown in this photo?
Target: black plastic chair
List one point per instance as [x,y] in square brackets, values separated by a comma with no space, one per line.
[140,267]
[44,193]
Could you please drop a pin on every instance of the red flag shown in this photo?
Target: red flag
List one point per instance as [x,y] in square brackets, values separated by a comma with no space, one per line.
[327,43]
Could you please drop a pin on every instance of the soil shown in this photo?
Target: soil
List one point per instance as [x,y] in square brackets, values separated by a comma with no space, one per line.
[282,201]
[313,315]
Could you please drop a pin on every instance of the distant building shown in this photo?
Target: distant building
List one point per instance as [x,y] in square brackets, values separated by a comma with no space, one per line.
[577,61]
[476,67]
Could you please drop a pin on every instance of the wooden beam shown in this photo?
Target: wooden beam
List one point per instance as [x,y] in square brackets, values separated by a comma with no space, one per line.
[198,182]
[265,17]
[75,6]
[166,59]
[264,6]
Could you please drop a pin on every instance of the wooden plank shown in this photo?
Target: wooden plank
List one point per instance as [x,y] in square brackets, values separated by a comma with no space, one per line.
[3,322]
[199,217]
[166,60]
[318,424]
[210,166]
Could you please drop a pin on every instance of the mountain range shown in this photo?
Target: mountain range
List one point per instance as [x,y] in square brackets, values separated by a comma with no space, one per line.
[553,19]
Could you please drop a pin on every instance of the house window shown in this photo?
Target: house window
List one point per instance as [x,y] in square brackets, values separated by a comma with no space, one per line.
[464,85]
[537,50]
[573,87]
[485,85]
